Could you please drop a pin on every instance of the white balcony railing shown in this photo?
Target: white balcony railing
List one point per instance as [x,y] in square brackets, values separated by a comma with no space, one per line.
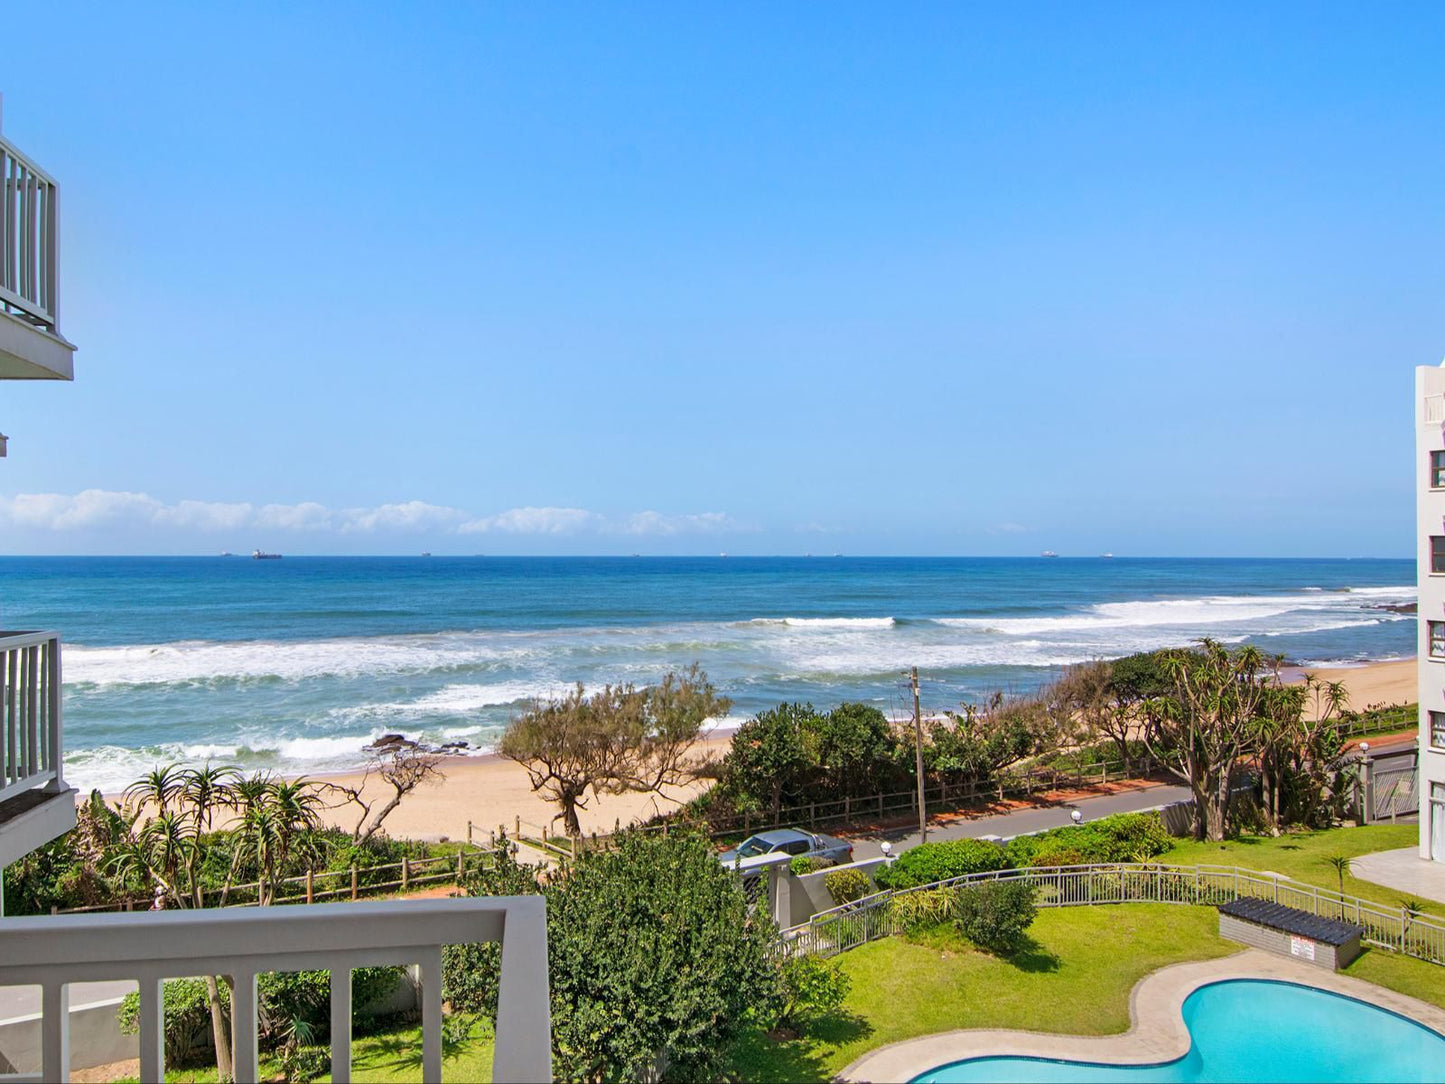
[29,240]
[242,943]
[31,749]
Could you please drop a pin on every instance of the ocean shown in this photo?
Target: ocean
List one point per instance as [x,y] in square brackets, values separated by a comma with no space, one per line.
[295,664]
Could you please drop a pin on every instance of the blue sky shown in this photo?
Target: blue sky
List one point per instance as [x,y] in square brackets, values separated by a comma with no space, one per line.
[757,278]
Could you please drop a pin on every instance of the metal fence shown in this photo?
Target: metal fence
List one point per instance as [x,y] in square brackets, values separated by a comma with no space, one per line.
[30,729]
[29,224]
[1401,930]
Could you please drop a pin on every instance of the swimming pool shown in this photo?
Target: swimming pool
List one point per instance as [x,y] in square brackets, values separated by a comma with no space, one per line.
[1252,1030]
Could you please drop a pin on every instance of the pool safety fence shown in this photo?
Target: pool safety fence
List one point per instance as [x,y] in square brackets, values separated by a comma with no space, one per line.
[1396,929]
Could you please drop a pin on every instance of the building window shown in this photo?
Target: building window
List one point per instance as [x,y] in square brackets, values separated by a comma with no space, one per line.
[1437,730]
[1437,470]
[1437,638]
[1437,553]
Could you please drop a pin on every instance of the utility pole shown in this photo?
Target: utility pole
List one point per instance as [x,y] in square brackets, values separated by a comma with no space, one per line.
[918,756]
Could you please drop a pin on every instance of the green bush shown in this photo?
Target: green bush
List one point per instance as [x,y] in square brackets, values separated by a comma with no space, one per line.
[930,862]
[1124,837]
[807,863]
[1059,855]
[809,988]
[285,997]
[914,911]
[996,914]
[847,885]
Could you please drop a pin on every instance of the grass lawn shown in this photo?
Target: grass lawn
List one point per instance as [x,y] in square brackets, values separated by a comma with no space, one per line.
[1302,856]
[1401,973]
[1075,978]
[385,1057]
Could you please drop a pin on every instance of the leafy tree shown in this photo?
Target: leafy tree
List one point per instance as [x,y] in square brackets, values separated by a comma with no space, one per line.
[772,757]
[657,960]
[978,742]
[854,749]
[811,988]
[617,739]
[1207,721]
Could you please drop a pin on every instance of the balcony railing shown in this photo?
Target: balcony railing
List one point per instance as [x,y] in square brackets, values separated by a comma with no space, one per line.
[31,749]
[29,240]
[240,944]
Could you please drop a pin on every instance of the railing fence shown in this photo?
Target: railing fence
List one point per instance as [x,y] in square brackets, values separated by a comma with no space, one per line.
[1401,930]
[30,729]
[29,234]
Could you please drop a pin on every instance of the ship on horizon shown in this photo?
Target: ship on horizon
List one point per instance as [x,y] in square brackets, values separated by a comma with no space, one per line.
[262,555]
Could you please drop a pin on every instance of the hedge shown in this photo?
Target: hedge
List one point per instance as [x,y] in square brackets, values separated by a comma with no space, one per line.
[930,862]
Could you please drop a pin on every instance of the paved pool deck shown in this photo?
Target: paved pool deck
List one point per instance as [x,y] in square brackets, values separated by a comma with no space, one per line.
[1404,871]
[1156,1032]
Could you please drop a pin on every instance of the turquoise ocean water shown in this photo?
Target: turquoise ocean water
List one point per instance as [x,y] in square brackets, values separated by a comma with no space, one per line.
[295,664]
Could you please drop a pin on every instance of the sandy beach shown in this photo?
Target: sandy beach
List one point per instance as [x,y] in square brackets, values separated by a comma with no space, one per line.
[490,791]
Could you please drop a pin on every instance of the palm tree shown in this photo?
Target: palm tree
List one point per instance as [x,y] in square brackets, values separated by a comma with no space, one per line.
[1341,865]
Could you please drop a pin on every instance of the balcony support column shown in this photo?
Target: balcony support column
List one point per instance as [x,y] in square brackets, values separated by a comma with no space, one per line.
[431,1015]
[152,1031]
[245,1048]
[55,1031]
[341,1025]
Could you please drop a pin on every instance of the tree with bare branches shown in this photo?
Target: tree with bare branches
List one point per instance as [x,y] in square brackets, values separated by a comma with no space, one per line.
[397,772]
[618,739]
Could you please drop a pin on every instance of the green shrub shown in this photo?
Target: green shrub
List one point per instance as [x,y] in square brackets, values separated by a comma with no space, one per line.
[285,999]
[996,914]
[847,885]
[930,862]
[809,988]
[1123,837]
[914,911]
[1059,855]
[807,863]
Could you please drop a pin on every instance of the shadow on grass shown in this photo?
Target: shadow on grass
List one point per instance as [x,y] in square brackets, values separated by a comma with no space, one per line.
[1033,958]
[757,1057]
[403,1050]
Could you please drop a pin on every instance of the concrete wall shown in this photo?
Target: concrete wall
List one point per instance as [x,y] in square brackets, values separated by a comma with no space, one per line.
[1430,513]
[1329,957]
[95,1039]
[809,892]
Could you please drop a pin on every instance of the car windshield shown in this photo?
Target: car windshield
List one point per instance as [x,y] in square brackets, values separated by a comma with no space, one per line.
[754,847]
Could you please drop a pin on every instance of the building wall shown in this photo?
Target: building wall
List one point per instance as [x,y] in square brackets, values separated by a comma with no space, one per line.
[1430,511]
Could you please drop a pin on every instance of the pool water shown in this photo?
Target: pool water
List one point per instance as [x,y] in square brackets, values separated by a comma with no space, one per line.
[1253,1030]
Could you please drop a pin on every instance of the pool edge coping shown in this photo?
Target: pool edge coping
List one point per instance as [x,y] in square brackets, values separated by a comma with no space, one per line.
[1156,1032]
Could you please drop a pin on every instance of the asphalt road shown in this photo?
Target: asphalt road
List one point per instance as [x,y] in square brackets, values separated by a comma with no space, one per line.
[1023,820]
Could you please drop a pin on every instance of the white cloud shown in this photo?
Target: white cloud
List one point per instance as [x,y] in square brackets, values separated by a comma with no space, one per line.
[534,521]
[95,508]
[655,523]
[408,516]
[306,516]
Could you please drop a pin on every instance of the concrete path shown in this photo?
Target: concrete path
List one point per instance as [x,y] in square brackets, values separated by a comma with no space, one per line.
[1157,1032]
[1021,821]
[1404,871]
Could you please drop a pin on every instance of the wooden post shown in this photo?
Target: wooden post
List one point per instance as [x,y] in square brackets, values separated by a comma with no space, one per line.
[461,863]
[812,814]
[847,808]
[469,833]
[310,885]
[517,824]
[405,872]
[918,756]
[353,882]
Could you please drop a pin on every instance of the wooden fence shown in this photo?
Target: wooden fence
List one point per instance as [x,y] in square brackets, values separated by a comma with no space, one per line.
[352,883]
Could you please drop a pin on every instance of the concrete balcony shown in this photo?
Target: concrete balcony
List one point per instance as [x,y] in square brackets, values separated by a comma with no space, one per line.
[31,345]
[36,806]
[242,943]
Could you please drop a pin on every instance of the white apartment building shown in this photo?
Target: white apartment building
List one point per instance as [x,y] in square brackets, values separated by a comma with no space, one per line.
[1430,510]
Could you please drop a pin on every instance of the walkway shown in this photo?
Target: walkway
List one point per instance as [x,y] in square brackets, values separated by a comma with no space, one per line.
[1157,1031]
[1404,871]
[1022,821]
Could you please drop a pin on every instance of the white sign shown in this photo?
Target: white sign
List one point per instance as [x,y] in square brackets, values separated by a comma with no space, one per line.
[1302,946]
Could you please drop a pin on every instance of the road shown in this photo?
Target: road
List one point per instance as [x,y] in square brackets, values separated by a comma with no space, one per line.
[25,1000]
[1023,820]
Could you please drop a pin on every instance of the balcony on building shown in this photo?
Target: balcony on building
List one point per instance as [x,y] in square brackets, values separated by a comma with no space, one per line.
[36,804]
[31,345]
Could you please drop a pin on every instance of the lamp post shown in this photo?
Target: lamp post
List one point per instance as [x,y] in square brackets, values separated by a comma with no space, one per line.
[1075,816]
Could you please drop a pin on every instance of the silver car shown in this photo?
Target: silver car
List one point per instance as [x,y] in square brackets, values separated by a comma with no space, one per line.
[790,841]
